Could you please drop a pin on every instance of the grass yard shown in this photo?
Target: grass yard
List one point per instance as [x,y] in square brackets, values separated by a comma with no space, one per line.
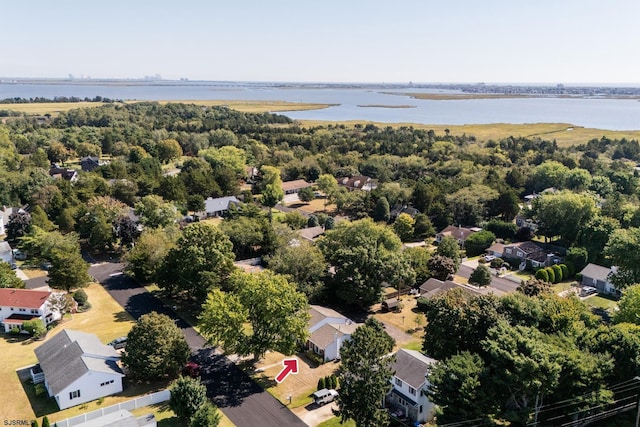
[299,386]
[562,286]
[601,301]
[106,319]
[33,273]
[405,321]
[52,108]
[316,205]
[335,422]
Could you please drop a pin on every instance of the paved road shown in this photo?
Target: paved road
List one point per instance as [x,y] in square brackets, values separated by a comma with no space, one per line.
[503,285]
[236,394]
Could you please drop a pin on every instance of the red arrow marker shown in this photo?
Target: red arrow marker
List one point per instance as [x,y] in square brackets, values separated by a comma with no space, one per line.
[290,367]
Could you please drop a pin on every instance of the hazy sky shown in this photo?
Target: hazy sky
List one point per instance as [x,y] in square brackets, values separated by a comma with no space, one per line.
[547,41]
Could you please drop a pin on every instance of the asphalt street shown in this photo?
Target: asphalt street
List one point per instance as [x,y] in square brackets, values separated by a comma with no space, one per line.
[499,283]
[234,392]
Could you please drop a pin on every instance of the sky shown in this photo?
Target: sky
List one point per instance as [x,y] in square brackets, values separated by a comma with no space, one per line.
[423,41]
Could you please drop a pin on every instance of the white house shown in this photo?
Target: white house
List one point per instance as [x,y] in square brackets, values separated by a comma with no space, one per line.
[77,368]
[218,206]
[406,399]
[328,330]
[6,253]
[20,305]
[599,277]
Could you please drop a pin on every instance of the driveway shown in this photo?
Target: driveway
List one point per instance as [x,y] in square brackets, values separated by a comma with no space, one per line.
[243,401]
[498,283]
[313,414]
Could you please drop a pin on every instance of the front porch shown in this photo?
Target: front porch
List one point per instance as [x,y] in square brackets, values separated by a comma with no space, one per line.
[401,406]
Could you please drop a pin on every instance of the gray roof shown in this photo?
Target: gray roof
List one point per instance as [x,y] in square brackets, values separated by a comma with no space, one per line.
[69,355]
[434,287]
[4,247]
[598,272]
[220,204]
[328,333]
[311,233]
[412,366]
[318,313]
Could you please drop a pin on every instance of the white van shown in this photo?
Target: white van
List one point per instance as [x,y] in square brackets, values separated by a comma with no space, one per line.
[324,396]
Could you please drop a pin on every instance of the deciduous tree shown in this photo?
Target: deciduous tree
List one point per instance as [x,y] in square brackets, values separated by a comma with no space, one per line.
[275,310]
[8,278]
[155,348]
[187,396]
[364,375]
[481,276]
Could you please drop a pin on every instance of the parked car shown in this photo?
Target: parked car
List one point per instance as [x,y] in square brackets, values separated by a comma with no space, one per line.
[19,255]
[46,266]
[118,343]
[489,258]
[588,290]
[324,396]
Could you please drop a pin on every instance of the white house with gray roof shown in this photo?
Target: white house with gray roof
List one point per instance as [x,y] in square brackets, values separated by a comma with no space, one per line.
[77,368]
[328,330]
[218,206]
[406,399]
[599,277]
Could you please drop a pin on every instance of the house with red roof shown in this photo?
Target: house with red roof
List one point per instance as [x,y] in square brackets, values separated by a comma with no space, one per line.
[20,305]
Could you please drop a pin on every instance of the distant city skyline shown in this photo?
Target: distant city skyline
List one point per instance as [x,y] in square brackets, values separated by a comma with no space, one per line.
[571,42]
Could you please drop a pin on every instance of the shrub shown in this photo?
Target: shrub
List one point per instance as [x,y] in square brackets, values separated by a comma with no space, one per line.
[15,330]
[321,383]
[565,271]
[41,390]
[551,274]
[571,267]
[558,273]
[422,304]
[579,277]
[45,422]
[542,275]
[80,296]
[497,263]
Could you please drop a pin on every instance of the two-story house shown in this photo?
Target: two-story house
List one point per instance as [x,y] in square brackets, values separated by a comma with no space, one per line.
[529,252]
[359,182]
[20,305]
[328,330]
[77,368]
[407,398]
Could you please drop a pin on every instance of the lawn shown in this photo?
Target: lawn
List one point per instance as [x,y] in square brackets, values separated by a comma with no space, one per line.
[53,108]
[407,320]
[299,386]
[601,301]
[166,417]
[335,422]
[106,319]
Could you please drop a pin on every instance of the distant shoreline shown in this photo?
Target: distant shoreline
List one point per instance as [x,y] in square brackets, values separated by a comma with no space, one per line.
[386,106]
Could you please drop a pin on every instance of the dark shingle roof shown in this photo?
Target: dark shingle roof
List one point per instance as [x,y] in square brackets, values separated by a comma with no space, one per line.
[69,355]
[598,272]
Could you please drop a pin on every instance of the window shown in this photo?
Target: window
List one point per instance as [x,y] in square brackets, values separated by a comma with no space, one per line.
[106,383]
[412,390]
[420,408]
[74,394]
[34,311]
[398,382]
[22,309]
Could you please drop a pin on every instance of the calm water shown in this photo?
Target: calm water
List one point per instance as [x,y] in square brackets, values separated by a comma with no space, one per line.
[613,114]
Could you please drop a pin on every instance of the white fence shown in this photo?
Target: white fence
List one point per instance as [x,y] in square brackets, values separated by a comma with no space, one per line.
[149,399]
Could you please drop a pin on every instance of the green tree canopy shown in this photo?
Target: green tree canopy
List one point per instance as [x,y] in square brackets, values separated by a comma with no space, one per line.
[365,255]
[481,276]
[201,259]
[563,214]
[364,375]
[268,302]
[479,242]
[8,278]
[404,227]
[622,250]
[145,258]
[187,396]
[450,248]
[155,348]
[155,212]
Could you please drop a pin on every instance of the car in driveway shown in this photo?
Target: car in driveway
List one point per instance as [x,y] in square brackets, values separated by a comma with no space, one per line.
[587,290]
[324,396]
[489,258]
[118,343]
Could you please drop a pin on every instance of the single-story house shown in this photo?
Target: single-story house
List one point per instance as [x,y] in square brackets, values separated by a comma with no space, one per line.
[360,182]
[218,206]
[77,368]
[433,287]
[20,305]
[120,418]
[6,253]
[90,163]
[291,187]
[398,209]
[523,221]
[407,398]
[311,233]
[459,233]
[529,252]
[63,173]
[599,277]
[328,330]
[497,249]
